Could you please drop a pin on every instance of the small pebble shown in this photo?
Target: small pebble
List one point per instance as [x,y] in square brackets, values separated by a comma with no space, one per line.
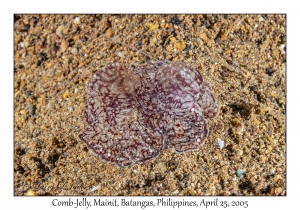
[277,177]
[270,71]
[180,46]
[175,192]
[43,56]
[282,49]
[31,109]
[28,93]
[21,44]
[109,32]
[221,143]
[76,20]
[65,95]
[239,153]
[187,48]
[253,88]
[278,190]
[272,171]
[64,45]
[235,63]
[59,31]
[121,55]
[240,173]
[152,26]
[151,176]
[139,43]
[175,21]
[93,190]
[31,193]
[74,51]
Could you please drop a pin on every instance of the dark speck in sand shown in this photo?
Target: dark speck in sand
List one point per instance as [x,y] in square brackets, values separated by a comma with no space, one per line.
[270,71]
[175,21]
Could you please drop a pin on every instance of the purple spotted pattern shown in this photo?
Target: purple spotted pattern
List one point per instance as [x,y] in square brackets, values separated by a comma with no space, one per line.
[134,113]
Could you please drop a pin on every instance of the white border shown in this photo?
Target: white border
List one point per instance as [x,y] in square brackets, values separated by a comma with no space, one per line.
[8,8]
